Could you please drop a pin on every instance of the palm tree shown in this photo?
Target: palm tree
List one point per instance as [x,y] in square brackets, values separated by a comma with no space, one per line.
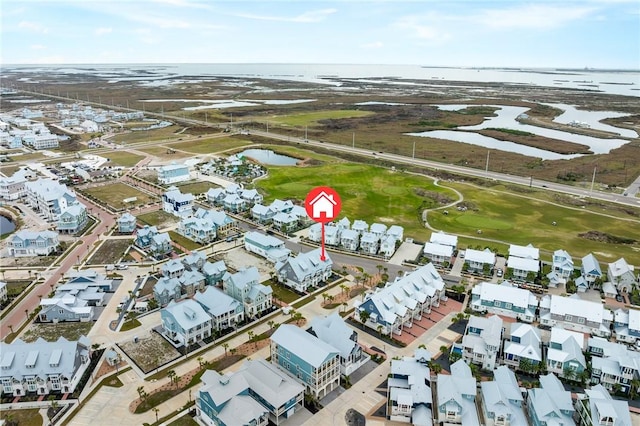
[251,335]
[331,298]
[11,328]
[444,350]
[365,278]
[344,269]
[26,312]
[200,361]
[324,298]
[155,410]
[435,367]
[271,324]
[233,351]
[171,374]
[364,317]
[225,346]
[379,268]
[142,393]
[379,328]
[344,288]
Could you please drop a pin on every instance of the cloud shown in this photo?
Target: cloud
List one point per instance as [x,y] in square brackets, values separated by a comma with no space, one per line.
[373,45]
[102,31]
[37,47]
[33,27]
[532,16]
[424,28]
[306,17]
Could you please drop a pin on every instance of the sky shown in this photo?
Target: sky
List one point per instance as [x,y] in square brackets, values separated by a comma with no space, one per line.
[499,33]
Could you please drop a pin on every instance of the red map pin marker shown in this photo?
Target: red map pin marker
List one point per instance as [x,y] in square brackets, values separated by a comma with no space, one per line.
[323,205]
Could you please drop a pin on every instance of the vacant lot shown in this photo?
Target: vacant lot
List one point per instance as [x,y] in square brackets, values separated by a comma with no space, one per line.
[150,352]
[197,187]
[123,158]
[210,145]
[312,118]
[164,153]
[166,133]
[159,218]
[110,252]
[29,417]
[51,332]
[114,195]
[184,241]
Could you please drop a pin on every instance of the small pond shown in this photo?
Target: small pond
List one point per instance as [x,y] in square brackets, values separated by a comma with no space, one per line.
[7,226]
[266,156]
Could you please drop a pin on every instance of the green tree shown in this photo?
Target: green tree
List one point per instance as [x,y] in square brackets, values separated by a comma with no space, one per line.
[142,393]
[225,346]
[171,374]
[364,317]
[435,367]
[324,297]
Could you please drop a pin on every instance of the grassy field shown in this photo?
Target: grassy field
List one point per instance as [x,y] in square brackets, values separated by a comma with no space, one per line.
[110,251]
[123,158]
[162,152]
[29,417]
[210,145]
[312,118]
[197,187]
[151,135]
[522,219]
[158,218]
[184,241]
[369,193]
[51,332]
[114,194]
[184,421]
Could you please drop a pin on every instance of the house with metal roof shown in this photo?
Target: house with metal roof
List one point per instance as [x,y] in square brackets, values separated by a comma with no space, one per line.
[523,349]
[49,198]
[562,263]
[65,308]
[622,275]
[267,246]
[225,311]
[12,187]
[254,395]
[215,196]
[166,290]
[395,306]
[444,239]
[234,203]
[201,231]
[252,196]
[245,287]
[596,407]
[590,269]
[504,299]
[388,246]
[409,390]
[456,394]
[481,341]
[378,229]
[144,236]
[522,269]
[222,222]
[524,252]
[30,243]
[173,268]
[214,272]
[439,254]
[550,404]
[285,222]
[349,239]
[177,203]
[576,314]
[360,226]
[479,261]
[304,270]
[334,331]
[73,219]
[613,364]
[311,361]
[160,245]
[501,400]
[126,223]
[564,355]
[173,173]
[42,367]
[185,323]
[369,243]
[396,231]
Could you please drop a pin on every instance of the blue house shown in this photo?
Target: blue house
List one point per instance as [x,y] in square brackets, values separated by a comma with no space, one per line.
[501,401]
[173,173]
[313,362]
[144,236]
[590,269]
[550,404]
[214,272]
[457,396]
[254,395]
[126,223]
[73,219]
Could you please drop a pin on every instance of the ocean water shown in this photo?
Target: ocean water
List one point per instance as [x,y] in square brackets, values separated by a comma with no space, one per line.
[613,82]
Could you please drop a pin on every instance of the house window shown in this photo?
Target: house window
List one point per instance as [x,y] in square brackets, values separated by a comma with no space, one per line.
[496,303]
[580,320]
[568,318]
[509,305]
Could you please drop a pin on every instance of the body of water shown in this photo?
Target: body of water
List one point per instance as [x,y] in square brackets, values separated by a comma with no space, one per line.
[613,82]
[269,157]
[7,226]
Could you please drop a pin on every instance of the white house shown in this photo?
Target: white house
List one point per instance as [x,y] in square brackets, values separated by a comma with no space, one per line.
[477,261]
[173,173]
[304,270]
[562,264]
[225,311]
[525,252]
[576,314]
[267,246]
[30,243]
[481,341]
[596,407]
[177,203]
[501,400]
[504,299]
[185,323]
[409,389]
[457,396]
[438,254]
[622,275]
[444,239]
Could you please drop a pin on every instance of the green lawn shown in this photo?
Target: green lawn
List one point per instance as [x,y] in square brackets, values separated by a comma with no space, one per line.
[123,158]
[184,241]
[523,219]
[283,293]
[369,193]
[210,145]
[158,218]
[197,187]
[311,118]
[184,421]
[29,417]
[114,194]
[148,135]
[130,325]
[162,152]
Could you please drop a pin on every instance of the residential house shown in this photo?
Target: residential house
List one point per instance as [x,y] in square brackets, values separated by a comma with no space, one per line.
[394,307]
[199,230]
[481,341]
[49,198]
[501,400]
[621,326]
[311,361]
[349,239]
[396,232]
[30,243]
[315,232]
[167,290]
[439,254]
[245,287]
[524,252]
[177,203]
[43,141]
[334,331]
[160,245]
[388,246]
[144,236]
[564,355]
[173,173]
[191,281]
[590,269]
[522,269]
[267,246]
[609,290]
[252,196]
[622,275]
[185,323]
[214,272]
[257,394]
[457,396]
[262,214]
[613,365]
[304,270]
[220,220]
[90,278]
[225,311]
[285,222]
[576,314]
[13,187]
[42,367]
[215,196]
[378,229]
[562,264]
[126,223]
[234,203]
[444,239]
[479,261]
[550,404]
[331,235]
[360,226]
[369,243]
[523,349]
[194,261]
[504,299]
[66,308]
[409,390]
[174,268]
[595,407]
[73,219]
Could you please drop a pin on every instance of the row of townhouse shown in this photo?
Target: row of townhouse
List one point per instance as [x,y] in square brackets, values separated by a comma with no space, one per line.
[157,244]
[569,312]
[233,198]
[41,367]
[36,138]
[13,187]
[56,203]
[206,226]
[281,215]
[302,362]
[184,277]
[359,236]
[626,325]
[394,307]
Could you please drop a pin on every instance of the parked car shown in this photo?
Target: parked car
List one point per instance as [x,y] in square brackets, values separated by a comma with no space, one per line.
[499,273]
[121,266]
[619,298]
